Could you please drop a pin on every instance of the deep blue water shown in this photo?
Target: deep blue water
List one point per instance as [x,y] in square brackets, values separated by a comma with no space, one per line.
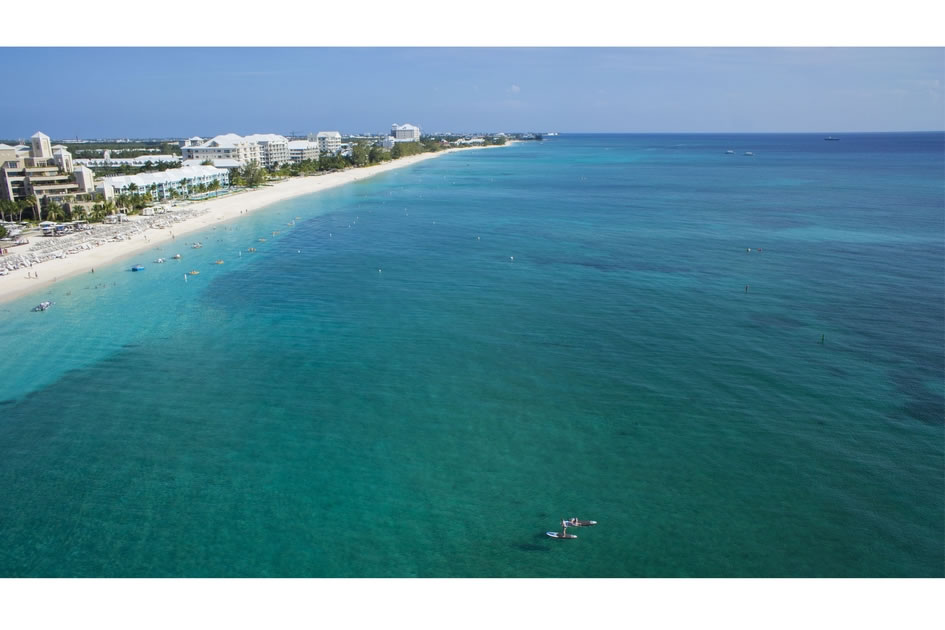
[431,368]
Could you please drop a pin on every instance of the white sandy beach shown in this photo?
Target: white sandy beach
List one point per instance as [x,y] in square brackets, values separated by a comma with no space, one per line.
[138,236]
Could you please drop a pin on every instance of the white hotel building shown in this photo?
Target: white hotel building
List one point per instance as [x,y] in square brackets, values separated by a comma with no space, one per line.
[273,148]
[405,132]
[166,181]
[225,147]
[329,141]
[301,150]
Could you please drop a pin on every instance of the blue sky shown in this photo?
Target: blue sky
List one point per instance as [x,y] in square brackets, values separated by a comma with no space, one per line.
[177,92]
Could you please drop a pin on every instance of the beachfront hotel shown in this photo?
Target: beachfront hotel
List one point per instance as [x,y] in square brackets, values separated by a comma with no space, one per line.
[223,147]
[230,150]
[405,132]
[273,148]
[301,150]
[44,170]
[162,183]
[329,141]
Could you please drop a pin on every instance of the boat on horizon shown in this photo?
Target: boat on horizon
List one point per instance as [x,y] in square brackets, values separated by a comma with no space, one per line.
[831,138]
[729,152]
[138,268]
[42,306]
[749,153]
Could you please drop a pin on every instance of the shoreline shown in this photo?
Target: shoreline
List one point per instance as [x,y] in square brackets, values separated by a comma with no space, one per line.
[137,237]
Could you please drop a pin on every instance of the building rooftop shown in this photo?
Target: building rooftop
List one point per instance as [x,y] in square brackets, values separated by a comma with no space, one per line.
[224,140]
[265,137]
[329,134]
[302,144]
[171,175]
[39,134]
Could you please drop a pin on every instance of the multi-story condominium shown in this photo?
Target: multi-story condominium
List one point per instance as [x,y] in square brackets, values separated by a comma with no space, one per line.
[161,184]
[43,170]
[225,147]
[386,142]
[329,141]
[301,150]
[405,132]
[273,148]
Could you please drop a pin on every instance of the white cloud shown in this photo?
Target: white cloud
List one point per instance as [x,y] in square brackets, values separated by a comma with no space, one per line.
[514,89]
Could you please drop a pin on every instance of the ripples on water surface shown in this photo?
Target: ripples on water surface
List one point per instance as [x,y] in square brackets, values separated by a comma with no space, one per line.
[401,398]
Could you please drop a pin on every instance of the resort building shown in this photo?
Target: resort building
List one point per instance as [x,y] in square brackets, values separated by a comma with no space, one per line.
[161,184]
[405,132]
[273,148]
[225,147]
[386,142]
[135,161]
[328,141]
[301,150]
[43,170]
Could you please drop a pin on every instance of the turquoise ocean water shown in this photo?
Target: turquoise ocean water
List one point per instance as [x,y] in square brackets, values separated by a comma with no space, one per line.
[431,368]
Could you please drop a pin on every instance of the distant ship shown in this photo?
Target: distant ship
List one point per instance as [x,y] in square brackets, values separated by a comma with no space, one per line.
[551,133]
[831,138]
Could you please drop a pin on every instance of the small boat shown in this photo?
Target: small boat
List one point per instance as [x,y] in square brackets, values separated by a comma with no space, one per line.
[831,138]
[748,153]
[159,260]
[193,272]
[219,262]
[561,535]
[176,256]
[42,306]
[197,245]
[138,268]
[251,249]
[730,152]
[261,240]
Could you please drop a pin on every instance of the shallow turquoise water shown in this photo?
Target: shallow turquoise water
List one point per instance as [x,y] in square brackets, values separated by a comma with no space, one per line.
[297,412]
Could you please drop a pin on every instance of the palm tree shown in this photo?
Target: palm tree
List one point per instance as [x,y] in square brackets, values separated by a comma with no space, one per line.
[55,211]
[33,202]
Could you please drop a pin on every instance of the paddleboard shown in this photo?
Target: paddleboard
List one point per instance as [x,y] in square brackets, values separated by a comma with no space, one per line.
[560,535]
[581,523]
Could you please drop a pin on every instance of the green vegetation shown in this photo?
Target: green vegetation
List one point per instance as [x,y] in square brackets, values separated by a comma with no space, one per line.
[127,169]
[252,175]
[94,150]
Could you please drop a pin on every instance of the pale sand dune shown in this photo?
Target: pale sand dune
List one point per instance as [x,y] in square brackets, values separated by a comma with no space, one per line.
[214,211]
